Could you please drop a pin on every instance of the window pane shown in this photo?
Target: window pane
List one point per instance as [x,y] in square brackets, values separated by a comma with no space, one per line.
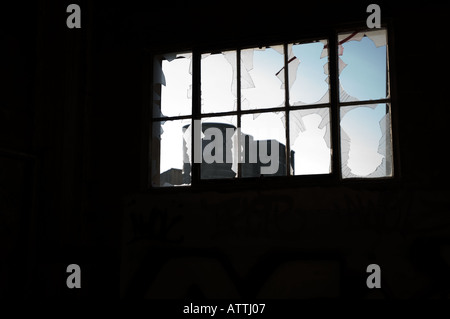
[308,73]
[261,80]
[218,82]
[172,85]
[363,65]
[310,141]
[219,152]
[171,155]
[366,148]
[263,143]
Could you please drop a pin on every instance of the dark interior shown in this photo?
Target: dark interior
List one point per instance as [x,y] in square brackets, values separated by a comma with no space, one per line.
[73,163]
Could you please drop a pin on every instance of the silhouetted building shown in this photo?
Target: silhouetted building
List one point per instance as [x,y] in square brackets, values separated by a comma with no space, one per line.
[216,170]
[250,169]
[173,176]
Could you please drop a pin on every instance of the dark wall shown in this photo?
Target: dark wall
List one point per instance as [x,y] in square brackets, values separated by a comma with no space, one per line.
[71,154]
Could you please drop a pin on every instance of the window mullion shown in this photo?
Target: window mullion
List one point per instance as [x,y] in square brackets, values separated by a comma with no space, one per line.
[286,104]
[334,100]
[363,102]
[238,109]
[196,111]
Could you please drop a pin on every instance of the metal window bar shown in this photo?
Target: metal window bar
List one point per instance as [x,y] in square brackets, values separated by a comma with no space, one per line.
[196,111]
[286,107]
[238,109]
[334,98]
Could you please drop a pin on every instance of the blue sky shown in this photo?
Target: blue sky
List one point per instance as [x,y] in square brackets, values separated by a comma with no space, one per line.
[310,85]
[364,77]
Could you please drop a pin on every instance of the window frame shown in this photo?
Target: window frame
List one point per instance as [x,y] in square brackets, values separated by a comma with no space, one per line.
[331,179]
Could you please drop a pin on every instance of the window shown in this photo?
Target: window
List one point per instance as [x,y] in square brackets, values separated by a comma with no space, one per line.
[290,109]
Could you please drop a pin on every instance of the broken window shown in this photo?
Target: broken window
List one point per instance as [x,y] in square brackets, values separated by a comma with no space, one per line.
[171,163]
[262,109]
[219,141]
[308,73]
[366,141]
[218,82]
[260,85]
[172,109]
[365,126]
[172,79]
[310,141]
[363,72]
[263,140]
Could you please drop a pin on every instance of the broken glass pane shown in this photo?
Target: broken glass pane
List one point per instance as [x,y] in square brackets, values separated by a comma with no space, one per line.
[308,73]
[310,141]
[219,147]
[366,148]
[262,144]
[260,85]
[171,160]
[363,67]
[218,82]
[172,85]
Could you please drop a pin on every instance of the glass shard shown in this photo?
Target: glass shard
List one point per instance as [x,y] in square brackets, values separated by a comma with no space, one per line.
[364,58]
[260,85]
[310,140]
[219,147]
[218,82]
[366,148]
[308,79]
[293,63]
[262,145]
[172,85]
[171,162]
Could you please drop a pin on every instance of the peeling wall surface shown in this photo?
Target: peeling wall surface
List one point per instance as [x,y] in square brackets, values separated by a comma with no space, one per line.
[76,172]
